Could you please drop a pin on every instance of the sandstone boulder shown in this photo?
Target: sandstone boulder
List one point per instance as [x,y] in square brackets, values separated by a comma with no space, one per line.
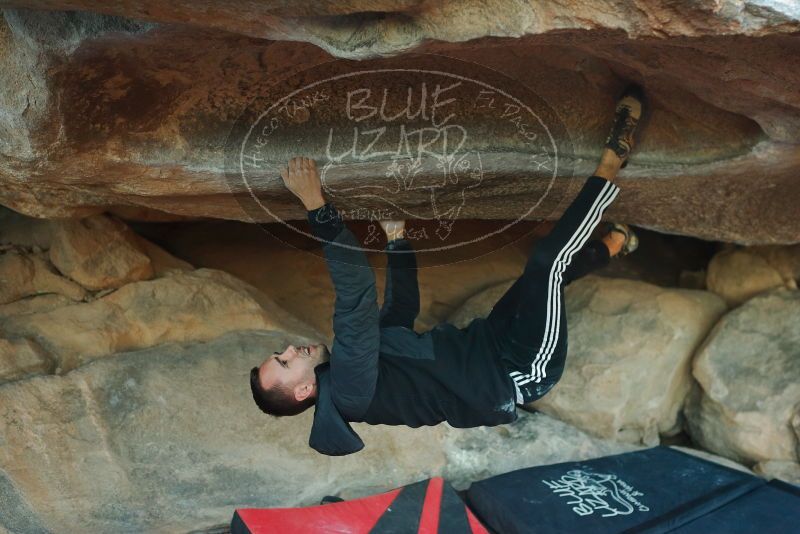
[185,306]
[35,304]
[782,470]
[23,275]
[98,252]
[630,348]
[739,274]
[784,259]
[168,439]
[22,357]
[18,231]
[534,439]
[748,376]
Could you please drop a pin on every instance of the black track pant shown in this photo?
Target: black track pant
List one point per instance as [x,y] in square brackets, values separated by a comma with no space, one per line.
[529,322]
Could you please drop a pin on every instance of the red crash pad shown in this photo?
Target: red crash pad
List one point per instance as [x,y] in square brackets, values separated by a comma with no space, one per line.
[427,507]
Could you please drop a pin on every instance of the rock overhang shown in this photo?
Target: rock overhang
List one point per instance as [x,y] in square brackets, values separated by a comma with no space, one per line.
[127,114]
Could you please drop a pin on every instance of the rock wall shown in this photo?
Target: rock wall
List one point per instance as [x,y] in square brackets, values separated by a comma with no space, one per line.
[98,289]
[127,408]
[748,397]
[107,112]
[123,396]
[738,274]
[97,436]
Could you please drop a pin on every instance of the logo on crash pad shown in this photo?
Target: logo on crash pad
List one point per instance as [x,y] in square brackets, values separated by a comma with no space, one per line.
[424,138]
[590,493]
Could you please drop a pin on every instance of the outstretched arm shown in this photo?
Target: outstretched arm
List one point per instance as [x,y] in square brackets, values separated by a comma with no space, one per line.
[356,342]
[401,294]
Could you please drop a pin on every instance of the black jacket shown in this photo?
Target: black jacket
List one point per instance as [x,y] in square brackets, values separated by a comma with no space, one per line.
[381,370]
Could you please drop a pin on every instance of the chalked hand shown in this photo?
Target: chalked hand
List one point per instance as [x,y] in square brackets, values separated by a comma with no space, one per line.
[301,177]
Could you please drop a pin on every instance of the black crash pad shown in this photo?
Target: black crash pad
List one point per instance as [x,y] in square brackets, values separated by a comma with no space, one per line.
[653,490]
[774,507]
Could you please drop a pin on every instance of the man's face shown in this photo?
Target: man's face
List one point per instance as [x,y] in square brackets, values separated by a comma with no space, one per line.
[293,368]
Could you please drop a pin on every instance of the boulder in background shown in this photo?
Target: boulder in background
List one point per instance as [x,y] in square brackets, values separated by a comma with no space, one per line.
[98,252]
[186,306]
[748,376]
[738,274]
[20,357]
[24,275]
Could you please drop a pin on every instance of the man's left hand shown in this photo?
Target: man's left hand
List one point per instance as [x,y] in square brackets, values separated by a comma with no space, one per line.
[393,229]
[302,178]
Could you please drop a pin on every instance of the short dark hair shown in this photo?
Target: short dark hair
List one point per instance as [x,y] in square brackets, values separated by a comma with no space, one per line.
[277,400]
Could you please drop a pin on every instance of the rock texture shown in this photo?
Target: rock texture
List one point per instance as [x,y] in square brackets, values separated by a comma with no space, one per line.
[786,471]
[23,357]
[630,350]
[35,304]
[24,275]
[123,396]
[134,113]
[749,382]
[534,439]
[168,439]
[739,274]
[198,305]
[131,294]
[98,252]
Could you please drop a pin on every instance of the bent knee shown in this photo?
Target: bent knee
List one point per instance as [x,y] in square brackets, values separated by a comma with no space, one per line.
[543,388]
[542,258]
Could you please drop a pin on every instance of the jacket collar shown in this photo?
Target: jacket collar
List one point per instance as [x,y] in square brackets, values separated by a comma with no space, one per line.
[330,433]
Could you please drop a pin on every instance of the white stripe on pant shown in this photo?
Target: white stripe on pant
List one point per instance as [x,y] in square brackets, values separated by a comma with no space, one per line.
[553,318]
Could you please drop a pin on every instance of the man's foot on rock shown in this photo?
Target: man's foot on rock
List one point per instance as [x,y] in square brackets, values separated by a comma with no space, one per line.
[620,239]
[626,118]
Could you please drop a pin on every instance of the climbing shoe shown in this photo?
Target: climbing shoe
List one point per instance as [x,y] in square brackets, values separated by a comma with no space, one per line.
[631,239]
[626,118]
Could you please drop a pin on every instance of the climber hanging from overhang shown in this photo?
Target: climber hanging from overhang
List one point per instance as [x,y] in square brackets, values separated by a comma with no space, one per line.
[380,371]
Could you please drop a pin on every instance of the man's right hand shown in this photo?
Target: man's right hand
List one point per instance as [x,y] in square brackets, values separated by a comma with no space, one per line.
[302,179]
